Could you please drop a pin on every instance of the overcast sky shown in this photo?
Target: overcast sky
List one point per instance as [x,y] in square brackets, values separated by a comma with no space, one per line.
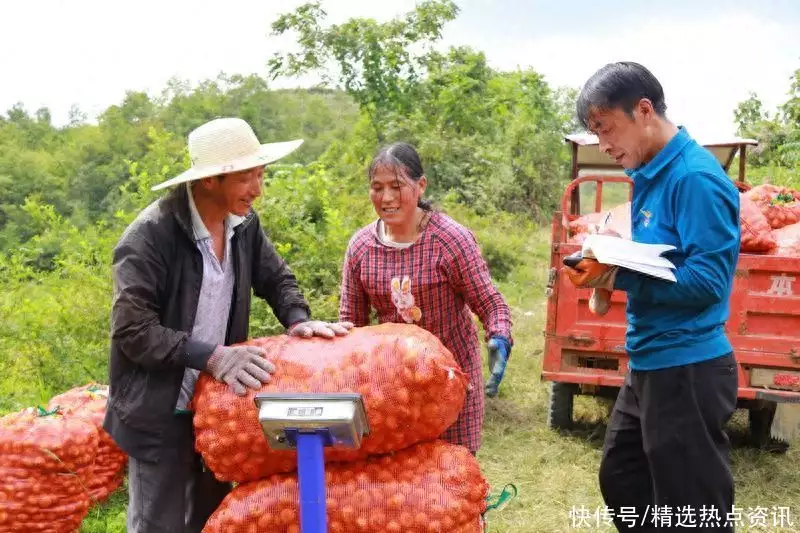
[708,54]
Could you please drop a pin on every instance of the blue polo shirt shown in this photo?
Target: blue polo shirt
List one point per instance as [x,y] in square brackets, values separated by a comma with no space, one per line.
[684,198]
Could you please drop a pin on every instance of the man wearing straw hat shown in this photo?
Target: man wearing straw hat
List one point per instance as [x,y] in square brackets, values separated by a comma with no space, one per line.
[183,274]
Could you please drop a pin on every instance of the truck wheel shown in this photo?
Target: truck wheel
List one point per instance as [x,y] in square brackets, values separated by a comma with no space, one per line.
[559,408]
[760,419]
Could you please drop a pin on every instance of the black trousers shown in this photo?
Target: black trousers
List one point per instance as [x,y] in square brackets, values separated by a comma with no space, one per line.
[175,495]
[666,451]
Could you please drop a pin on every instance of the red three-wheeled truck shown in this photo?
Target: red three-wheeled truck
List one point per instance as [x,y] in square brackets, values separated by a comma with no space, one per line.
[585,354]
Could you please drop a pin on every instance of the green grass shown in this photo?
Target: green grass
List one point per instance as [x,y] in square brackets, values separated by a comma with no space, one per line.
[109,517]
[555,472]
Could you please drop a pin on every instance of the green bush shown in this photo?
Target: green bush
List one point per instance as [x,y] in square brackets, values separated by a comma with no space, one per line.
[53,334]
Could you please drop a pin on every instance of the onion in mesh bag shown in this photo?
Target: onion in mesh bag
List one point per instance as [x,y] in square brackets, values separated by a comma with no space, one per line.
[430,487]
[412,386]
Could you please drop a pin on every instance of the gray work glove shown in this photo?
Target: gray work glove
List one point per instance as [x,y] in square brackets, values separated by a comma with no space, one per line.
[318,328]
[240,367]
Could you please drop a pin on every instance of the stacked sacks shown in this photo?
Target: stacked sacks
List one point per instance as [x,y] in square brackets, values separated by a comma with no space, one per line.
[780,205]
[433,486]
[412,388]
[413,391]
[756,234]
[616,221]
[781,209]
[787,241]
[44,459]
[89,403]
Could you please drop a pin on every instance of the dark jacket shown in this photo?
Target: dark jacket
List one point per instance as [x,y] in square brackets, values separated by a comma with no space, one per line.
[158,271]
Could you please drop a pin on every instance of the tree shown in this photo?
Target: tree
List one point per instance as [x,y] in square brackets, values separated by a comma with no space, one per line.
[379,64]
[778,135]
[76,116]
[17,114]
[791,108]
[749,113]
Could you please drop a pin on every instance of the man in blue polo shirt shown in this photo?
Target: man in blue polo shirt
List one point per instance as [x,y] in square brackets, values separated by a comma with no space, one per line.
[666,450]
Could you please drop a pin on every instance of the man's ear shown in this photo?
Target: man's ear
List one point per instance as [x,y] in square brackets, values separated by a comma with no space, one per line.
[212,184]
[645,108]
[206,183]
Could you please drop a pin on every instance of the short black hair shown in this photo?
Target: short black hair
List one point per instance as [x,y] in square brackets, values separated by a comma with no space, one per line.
[620,86]
[403,159]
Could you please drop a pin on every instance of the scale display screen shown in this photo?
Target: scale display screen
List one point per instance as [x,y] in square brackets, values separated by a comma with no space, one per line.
[304,411]
[341,416]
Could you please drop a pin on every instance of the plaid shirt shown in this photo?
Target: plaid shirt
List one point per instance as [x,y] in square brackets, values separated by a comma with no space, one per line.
[433,283]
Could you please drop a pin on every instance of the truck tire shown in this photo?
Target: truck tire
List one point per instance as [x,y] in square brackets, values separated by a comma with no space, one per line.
[559,408]
[760,421]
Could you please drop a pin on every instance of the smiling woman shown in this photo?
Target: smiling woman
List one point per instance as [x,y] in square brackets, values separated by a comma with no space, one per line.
[419,266]
[397,184]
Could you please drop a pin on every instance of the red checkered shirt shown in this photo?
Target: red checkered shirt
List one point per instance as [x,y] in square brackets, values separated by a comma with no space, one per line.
[434,283]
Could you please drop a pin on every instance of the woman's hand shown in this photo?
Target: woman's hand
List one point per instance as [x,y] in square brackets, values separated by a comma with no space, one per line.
[499,350]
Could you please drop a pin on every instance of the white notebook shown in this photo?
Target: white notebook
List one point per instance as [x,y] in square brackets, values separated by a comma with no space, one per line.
[636,256]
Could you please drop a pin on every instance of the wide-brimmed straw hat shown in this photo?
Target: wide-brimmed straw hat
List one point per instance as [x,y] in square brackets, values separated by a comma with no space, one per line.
[227,145]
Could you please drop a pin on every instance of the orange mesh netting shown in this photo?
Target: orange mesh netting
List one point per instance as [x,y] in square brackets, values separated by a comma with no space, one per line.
[756,234]
[430,487]
[788,239]
[412,387]
[43,461]
[779,204]
[108,471]
[583,224]
[619,223]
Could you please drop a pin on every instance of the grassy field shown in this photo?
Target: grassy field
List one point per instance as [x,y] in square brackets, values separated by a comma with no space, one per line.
[558,472]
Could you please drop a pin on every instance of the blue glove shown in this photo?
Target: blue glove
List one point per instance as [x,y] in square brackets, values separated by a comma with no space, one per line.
[499,350]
